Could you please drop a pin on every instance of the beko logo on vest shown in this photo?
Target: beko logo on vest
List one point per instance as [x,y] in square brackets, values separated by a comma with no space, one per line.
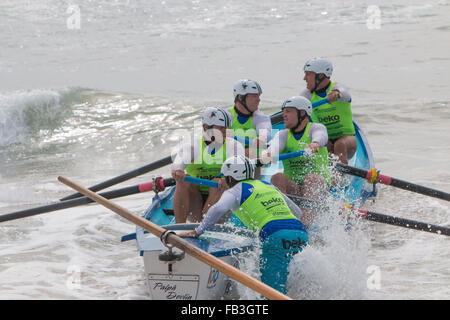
[329,119]
[271,201]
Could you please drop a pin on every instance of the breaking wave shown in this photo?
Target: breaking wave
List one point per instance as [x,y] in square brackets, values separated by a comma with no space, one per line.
[25,115]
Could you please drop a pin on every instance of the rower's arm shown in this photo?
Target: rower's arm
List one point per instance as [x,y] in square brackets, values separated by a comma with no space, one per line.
[318,133]
[186,155]
[278,143]
[226,202]
[344,91]
[263,125]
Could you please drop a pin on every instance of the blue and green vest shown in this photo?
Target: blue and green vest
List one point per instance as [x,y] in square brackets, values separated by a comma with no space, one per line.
[297,168]
[337,117]
[246,129]
[265,204]
[207,166]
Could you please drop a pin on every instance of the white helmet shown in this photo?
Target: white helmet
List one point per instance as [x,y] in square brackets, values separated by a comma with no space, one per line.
[239,168]
[213,116]
[298,102]
[319,65]
[246,86]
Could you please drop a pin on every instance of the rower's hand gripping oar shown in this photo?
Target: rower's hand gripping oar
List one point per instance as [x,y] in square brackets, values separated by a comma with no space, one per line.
[373,176]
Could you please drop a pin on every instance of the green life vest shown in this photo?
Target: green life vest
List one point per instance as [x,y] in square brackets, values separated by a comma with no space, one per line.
[265,204]
[207,166]
[297,168]
[337,117]
[246,129]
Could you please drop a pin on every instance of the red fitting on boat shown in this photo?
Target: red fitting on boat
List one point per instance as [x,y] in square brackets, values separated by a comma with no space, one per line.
[158,184]
[362,213]
[384,179]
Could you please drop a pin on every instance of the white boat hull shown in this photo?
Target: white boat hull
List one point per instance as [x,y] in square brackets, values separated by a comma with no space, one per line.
[172,275]
[188,279]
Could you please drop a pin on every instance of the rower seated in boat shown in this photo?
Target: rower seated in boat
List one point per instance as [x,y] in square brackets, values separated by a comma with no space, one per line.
[248,121]
[336,115]
[265,210]
[202,158]
[307,175]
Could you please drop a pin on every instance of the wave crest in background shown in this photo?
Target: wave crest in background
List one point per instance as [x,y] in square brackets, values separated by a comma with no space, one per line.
[25,115]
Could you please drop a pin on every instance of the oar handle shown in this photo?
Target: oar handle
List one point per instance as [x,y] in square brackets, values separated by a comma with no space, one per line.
[373,176]
[248,142]
[202,182]
[323,101]
[289,155]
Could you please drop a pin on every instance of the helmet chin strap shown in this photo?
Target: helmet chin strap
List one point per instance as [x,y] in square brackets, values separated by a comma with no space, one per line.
[318,81]
[300,120]
[244,104]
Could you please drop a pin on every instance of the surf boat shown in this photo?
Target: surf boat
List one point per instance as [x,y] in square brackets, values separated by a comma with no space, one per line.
[175,276]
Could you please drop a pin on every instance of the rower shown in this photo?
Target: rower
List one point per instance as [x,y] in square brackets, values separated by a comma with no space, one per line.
[264,210]
[336,115]
[248,121]
[202,158]
[308,175]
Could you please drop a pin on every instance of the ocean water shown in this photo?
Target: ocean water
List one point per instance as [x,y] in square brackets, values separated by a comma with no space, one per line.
[93,89]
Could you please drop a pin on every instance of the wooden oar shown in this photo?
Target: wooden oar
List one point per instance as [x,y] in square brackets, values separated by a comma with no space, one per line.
[126,176]
[372,176]
[378,217]
[158,184]
[182,244]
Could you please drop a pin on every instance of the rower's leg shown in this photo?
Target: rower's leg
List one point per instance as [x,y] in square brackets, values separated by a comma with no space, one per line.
[187,201]
[277,252]
[330,146]
[284,184]
[345,148]
[313,187]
